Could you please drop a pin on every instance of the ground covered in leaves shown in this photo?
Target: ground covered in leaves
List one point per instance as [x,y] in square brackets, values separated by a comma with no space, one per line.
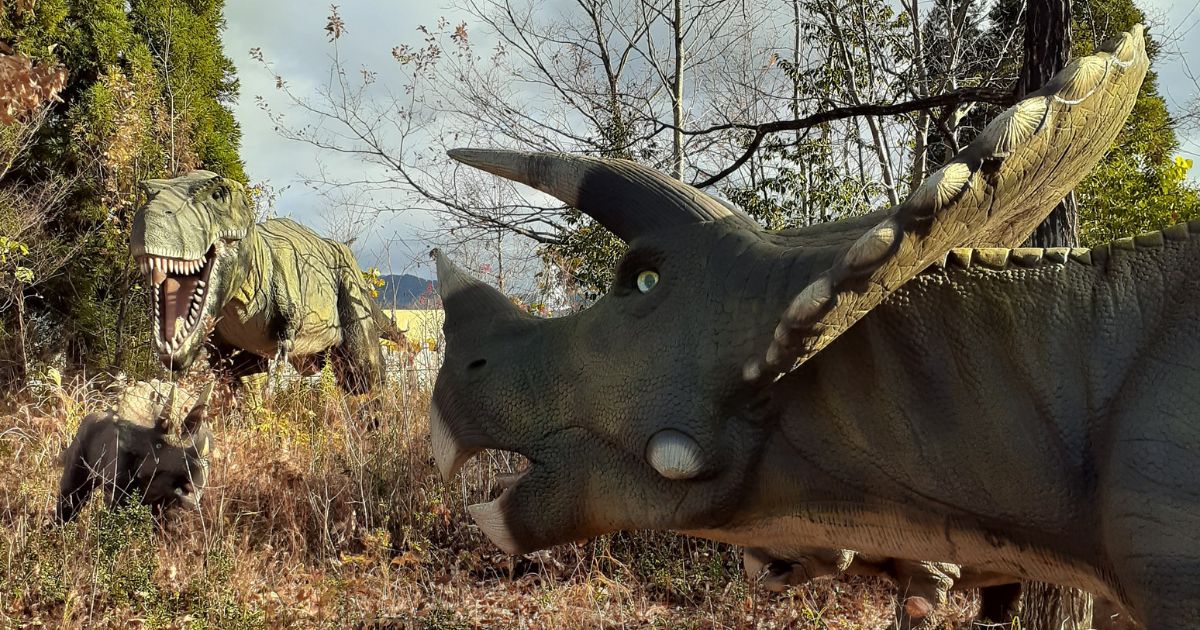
[319,514]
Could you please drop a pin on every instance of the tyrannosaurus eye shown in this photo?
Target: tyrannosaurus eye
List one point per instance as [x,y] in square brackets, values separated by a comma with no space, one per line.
[219,194]
[647,280]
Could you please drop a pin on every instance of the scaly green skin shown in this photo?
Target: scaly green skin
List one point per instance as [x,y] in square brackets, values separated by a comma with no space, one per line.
[1031,414]
[273,289]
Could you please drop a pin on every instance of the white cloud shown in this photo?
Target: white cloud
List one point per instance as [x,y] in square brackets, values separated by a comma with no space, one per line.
[292,37]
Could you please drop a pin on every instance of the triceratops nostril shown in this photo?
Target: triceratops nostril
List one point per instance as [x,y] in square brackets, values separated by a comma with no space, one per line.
[476,364]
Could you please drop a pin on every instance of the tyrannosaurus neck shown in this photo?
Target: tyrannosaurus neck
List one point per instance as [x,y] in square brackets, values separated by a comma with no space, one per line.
[249,286]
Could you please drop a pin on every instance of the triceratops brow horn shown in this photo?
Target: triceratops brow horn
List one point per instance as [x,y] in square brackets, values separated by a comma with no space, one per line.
[625,197]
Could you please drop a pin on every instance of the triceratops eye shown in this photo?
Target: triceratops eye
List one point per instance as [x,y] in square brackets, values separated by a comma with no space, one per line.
[647,280]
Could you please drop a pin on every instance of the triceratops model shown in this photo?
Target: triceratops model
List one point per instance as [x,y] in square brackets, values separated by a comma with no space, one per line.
[1024,412]
[272,289]
[124,457]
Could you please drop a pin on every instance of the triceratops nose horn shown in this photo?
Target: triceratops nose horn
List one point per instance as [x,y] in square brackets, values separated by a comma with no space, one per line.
[623,196]
[465,299]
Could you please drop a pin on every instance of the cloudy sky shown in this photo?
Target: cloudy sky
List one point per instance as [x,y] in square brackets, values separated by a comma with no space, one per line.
[291,35]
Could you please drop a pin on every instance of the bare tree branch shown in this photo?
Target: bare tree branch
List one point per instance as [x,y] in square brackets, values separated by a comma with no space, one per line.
[762,130]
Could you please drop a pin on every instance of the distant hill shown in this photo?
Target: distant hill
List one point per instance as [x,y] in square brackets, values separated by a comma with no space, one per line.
[404,291]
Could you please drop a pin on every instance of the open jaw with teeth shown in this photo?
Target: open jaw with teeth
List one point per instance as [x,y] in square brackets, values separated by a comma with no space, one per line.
[490,476]
[180,291]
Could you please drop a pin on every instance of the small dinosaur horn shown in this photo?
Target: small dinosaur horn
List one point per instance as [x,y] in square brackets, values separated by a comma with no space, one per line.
[153,185]
[675,455]
[625,197]
[163,422]
[195,417]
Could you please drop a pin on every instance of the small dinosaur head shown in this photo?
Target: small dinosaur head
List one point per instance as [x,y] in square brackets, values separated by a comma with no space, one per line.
[180,469]
[185,239]
[140,454]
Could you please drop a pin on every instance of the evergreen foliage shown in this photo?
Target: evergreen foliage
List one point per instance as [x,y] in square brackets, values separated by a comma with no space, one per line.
[1141,185]
[147,95]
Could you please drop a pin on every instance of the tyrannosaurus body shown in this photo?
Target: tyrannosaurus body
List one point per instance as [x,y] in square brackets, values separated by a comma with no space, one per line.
[265,290]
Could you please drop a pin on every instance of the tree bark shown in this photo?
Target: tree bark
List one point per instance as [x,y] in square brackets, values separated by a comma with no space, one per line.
[1047,47]
[677,95]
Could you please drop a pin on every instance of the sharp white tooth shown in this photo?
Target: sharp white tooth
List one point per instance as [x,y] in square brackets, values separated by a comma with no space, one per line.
[200,284]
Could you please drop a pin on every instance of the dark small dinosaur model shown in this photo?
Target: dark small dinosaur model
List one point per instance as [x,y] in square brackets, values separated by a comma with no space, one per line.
[124,458]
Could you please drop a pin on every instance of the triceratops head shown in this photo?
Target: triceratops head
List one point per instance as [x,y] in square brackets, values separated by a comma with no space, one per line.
[185,239]
[648,409]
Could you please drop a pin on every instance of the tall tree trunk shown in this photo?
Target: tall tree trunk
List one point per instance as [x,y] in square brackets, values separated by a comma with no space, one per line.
[677,96]
[1047,47]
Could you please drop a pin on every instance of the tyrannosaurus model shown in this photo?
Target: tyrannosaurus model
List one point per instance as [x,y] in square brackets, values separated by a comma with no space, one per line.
[272,289]
[1024,412]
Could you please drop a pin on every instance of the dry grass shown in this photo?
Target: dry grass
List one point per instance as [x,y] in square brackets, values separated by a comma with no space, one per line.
[312,520]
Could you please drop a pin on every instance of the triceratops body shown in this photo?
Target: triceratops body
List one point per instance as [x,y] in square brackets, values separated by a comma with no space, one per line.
[861,384]
[272,289]
[126,458]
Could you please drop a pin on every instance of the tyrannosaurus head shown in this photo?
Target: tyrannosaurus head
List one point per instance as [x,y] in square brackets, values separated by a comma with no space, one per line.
[649,409]
[185,238]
